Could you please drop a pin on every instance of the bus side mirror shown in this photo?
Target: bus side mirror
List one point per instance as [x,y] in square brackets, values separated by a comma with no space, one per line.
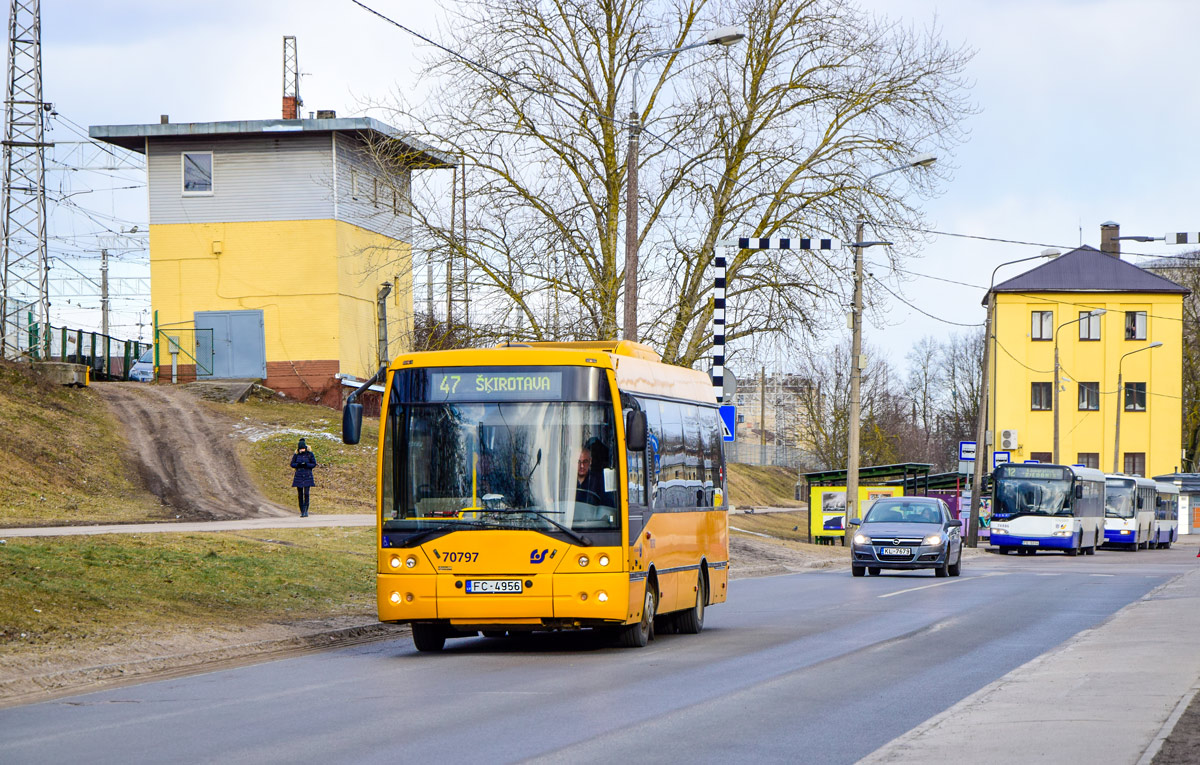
[1078,491]
[635,431]
[351,423]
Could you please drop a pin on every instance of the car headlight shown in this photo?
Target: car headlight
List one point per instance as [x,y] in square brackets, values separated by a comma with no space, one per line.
[859,539]
[933,539]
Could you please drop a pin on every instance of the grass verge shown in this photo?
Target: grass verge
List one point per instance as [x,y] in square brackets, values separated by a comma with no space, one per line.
[758,486]
[62,457]
[268,429]
[109,588]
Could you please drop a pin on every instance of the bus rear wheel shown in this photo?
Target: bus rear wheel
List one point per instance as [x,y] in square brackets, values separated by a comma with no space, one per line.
[690,622]
[428,638]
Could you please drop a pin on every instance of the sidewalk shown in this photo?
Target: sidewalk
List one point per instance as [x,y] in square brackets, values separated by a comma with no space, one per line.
[293,522]
[1111,694]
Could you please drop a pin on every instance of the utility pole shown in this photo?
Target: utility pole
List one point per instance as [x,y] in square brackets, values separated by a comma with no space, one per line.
[23,278]
[104,292]
[629,321]
[855,380]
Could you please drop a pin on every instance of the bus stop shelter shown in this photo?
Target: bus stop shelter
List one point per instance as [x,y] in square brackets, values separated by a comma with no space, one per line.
[825,491]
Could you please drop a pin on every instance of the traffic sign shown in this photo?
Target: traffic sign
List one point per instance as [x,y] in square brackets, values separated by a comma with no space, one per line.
[966,451]
[728,421]
[1000,458]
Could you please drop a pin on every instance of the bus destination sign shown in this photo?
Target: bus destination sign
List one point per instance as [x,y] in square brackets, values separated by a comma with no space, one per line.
[1043,472]
[522,385]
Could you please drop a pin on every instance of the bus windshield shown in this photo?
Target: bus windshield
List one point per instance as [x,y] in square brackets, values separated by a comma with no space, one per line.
[1119,499]
[1032,496]
[540,465]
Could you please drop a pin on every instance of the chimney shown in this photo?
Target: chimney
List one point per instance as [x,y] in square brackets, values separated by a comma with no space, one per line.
[291,109]
[164,119]
[1108,238]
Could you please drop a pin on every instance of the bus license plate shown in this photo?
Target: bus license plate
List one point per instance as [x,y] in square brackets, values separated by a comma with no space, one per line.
[1030,542]
[492,586]
[896,551]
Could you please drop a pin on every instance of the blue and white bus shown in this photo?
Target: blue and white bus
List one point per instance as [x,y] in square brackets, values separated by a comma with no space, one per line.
[1054,507]
[1129,510]
[1166,515]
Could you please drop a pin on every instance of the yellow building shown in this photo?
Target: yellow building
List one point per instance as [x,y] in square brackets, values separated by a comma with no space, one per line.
[270,243]
[1104,316]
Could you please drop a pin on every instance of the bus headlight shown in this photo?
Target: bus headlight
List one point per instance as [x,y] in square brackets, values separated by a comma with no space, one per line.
[411,562]
[394,597]
[602,596]
[583,560]
[395,561]
[604,562]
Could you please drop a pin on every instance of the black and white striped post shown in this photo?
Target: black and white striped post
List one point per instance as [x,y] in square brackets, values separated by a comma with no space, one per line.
[721,261]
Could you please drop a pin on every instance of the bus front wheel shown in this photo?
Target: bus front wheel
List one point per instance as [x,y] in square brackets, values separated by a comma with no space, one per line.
[639,635]
[428,637]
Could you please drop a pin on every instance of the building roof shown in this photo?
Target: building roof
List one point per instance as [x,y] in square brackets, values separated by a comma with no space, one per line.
[1086,269]
[133,137]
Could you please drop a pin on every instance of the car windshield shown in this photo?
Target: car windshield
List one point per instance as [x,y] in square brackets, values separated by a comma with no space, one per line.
[1032,496]
[1118,499]
[501,465]
[146,357]
[884,511]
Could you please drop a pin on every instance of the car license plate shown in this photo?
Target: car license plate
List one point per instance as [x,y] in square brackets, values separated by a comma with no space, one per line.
[896,551]
[1030,542]
[491,586]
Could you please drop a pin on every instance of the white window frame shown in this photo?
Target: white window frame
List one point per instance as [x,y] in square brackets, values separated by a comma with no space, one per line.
[1040,333]
[1139,325]
[212,168]
[1089,326]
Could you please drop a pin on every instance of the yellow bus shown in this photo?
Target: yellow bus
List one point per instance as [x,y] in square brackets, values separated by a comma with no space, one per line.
[547,486]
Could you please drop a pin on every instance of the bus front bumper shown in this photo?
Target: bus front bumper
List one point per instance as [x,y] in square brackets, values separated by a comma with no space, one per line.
[1037,543]
[544,599]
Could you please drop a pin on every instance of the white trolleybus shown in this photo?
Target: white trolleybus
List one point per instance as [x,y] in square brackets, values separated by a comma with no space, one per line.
[1047,507]
[1129,510]
[1166,515]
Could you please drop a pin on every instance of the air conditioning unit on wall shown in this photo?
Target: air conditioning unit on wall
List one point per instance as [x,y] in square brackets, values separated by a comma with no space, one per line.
[1008,440]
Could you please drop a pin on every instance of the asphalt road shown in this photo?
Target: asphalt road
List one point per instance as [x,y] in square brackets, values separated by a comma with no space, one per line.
[817,667]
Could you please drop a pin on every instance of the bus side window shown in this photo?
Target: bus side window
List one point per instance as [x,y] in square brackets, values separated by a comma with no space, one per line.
[672,491]
[693,459]
[635,461]
[716,459]
[707,473]
[654,442]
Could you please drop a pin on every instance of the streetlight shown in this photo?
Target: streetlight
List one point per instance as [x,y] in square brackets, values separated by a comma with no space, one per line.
[1117,437]
[981,452]
[852,447]
[724,36]
[1088,315]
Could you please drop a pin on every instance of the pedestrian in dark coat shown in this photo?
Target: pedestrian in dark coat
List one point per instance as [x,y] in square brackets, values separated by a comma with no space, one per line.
[303,463]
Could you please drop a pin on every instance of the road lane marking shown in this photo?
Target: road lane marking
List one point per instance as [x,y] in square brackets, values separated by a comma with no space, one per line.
[1101,574]
[940,584]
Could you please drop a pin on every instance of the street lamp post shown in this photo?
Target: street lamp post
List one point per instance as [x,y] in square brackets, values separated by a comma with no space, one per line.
[981,452]
[1088,315]
[852,445]
[1120,391]
[724,36]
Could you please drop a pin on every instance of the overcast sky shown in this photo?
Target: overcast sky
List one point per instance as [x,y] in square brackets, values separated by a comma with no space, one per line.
[1085,115]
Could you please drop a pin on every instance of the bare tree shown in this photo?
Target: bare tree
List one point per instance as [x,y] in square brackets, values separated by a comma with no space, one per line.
[1184,270]
[774,137]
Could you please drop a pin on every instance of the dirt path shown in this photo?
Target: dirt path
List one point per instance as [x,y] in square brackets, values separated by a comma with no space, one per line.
[183,453]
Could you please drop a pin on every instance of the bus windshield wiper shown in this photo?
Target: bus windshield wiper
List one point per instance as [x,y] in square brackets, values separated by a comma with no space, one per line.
[425,534]
[545,516]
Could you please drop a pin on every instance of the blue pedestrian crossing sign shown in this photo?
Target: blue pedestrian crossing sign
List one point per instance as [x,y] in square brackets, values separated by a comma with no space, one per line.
[728,420]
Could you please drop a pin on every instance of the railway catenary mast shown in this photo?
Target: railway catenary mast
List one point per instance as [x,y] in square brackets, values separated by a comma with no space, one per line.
[23,279]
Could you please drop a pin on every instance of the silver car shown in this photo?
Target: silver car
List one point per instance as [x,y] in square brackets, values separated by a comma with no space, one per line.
[906,533]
